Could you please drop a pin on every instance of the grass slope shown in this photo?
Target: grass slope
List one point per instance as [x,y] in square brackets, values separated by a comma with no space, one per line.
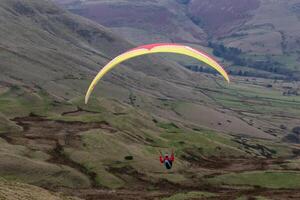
[51,139]
[266,179]
[19,191]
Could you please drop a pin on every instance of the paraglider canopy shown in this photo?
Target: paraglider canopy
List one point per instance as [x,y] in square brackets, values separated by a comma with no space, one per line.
[156,48]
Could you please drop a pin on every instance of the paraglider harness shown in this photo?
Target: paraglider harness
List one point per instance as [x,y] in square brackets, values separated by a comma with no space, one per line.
[166,160]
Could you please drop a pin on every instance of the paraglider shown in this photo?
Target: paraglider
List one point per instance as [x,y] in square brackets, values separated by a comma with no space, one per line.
[156,48]
[167,160]
[151,49]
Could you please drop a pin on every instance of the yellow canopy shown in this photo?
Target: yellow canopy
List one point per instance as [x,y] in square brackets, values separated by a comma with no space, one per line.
[156,48]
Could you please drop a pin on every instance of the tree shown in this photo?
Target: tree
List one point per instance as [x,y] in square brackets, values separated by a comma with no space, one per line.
[296,130]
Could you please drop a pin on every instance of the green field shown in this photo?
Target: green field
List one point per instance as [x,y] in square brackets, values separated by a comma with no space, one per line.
[265,179]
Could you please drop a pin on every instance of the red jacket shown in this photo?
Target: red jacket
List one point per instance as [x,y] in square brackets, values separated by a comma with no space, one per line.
[162,160]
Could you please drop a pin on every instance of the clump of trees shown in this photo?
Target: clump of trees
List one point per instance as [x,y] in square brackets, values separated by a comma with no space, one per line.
[235,55]
[290,92]
[293,137]
[240,72]
[229,53]
[296,130]
[197,68]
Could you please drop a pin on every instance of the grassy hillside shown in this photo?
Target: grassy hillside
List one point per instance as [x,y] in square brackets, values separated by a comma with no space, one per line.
[266,32]
[143,24]
[262,26]
[112,144]
[19,191]
[108,149]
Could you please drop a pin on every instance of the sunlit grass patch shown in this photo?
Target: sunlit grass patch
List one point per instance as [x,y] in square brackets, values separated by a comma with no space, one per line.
[266,179]
[190,195]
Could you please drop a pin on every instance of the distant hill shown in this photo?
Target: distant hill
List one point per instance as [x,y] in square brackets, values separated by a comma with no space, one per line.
[141,21]
[263,30]
[259,25]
